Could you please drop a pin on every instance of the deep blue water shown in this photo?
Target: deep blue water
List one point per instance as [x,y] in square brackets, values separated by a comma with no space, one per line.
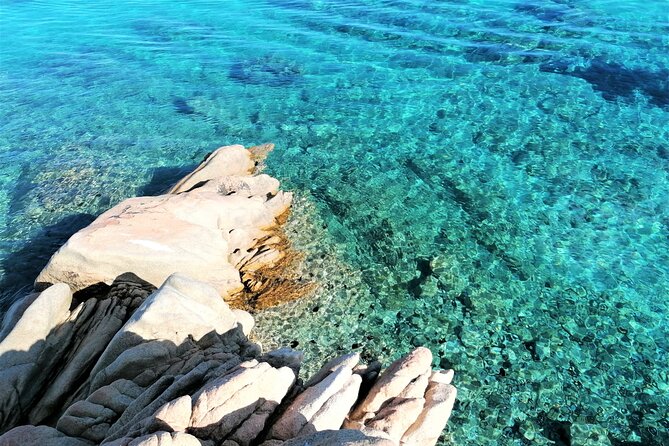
[495,174]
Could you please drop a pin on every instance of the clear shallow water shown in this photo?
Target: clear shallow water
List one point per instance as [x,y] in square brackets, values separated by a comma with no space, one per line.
[495,174]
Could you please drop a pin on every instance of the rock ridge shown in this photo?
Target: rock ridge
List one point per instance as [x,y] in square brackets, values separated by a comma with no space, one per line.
[135,340]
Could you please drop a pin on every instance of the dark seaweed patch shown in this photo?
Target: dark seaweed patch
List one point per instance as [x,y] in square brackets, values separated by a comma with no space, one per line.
[265,71]
[23,186]
[433,62]
[532,56]
[557,431]
[86,64]
[465,301]
[153,30]
[543,12]
[513,431]
[615,81]
[560,66]
[367,34]
[649,435]
[450,192]
[495,53]
[519,156]
[424,272]
[379,238]
[181,106]
[501,53]
[338,208]
[412,59]
[531,347]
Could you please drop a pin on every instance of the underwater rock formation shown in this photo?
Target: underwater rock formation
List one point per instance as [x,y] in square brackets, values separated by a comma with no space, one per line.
[265,70]
[616,81]
[111,360]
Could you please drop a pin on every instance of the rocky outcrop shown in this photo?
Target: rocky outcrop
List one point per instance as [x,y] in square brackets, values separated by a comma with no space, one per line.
[215,223]
[39,436]
[343,437]
[180,370]
[63,346]
[25,352]
[102,360]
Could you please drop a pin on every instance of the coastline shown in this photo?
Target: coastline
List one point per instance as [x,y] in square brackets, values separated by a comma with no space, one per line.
[181,346]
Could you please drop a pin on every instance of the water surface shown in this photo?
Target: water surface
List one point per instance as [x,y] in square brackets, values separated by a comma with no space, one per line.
[495,174]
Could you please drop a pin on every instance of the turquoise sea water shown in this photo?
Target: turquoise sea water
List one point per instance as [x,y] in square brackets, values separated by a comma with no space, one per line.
[495,174]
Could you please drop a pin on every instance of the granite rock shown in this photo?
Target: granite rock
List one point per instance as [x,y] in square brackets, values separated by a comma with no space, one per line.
[392,382]
[207,228]
[343,437]
[122,363]
[227,403]
[39,436]
[439,401]
[181,309]
[324,403]
[26,350]
[234,160]
[394,418]
[181,370]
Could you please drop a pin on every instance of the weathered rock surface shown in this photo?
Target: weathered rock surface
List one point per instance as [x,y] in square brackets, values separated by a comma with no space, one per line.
[230,403]
[159,439]
[184,310]
[343,437]
[39,436]
[429,424]
[123,363]
[407,371]
[27,350]
[180,370]
[408,404]
[216,220]
[235,160]
[321,406]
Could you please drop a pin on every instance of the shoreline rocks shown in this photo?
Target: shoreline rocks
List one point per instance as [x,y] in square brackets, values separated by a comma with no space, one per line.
[102,356]
[220,224]
[181,370]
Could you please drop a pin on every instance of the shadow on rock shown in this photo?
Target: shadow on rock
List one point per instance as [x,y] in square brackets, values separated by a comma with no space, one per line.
[20,267]
[94,371]
[163,178]
[175,367]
